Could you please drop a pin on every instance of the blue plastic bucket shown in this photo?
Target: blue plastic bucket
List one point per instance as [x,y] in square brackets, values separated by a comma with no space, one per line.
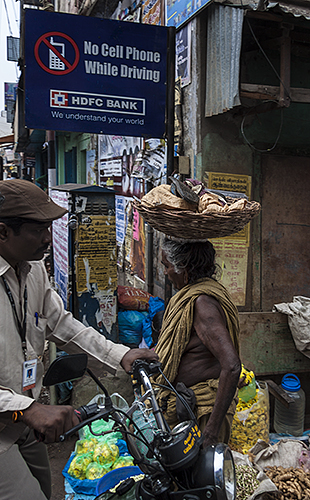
[113,477]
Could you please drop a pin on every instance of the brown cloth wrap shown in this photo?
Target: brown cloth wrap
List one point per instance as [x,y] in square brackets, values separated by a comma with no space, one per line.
[175,335]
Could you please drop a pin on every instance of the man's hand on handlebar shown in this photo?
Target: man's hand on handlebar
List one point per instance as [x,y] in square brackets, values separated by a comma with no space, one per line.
[49,421]
[134,354]
[209,439]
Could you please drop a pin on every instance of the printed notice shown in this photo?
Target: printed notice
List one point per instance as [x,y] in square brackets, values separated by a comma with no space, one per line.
[96,254]
[234,184]
[61,246]
[232,258]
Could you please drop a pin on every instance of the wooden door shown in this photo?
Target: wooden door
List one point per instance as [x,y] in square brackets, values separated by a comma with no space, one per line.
[285,229]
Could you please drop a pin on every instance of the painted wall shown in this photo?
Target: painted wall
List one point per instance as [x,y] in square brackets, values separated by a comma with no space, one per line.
[72,147]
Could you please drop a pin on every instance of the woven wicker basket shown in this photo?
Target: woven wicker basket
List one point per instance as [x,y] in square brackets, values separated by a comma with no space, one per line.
[193,226]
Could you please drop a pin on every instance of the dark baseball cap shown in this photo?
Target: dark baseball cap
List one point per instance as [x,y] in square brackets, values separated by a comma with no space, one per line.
[21,198]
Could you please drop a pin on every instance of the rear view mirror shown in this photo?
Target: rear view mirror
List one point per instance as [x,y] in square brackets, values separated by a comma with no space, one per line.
[65,368]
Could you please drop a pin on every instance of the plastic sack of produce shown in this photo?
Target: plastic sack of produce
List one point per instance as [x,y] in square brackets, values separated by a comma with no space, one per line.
[248,391]
[98,427]
[156,304]
[130,326]
[132,298]
[251,420]
[105,454]
[93,459]
[79,464]
[252,483]
[85,446]
[125,461]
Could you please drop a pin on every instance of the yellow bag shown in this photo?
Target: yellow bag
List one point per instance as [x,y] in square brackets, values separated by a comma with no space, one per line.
[251,421]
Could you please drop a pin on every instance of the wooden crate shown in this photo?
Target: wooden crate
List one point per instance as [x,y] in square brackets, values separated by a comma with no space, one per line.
[267,345]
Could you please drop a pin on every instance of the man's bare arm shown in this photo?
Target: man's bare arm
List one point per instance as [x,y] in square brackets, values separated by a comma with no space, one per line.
[210,326]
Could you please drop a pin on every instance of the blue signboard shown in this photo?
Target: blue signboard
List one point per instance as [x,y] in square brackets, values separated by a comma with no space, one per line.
[180,11]
[85,74]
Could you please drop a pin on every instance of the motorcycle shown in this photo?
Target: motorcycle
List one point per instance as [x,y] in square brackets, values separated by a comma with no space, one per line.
[174,463]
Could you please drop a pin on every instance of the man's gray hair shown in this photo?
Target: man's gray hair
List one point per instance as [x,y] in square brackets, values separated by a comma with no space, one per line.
[197,258]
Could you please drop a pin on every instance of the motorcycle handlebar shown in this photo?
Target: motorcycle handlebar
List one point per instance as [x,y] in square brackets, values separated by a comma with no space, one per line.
[86,415]
[149,367]
[86,411]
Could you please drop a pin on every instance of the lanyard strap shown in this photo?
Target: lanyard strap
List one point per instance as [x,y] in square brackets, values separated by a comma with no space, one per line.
[21,327]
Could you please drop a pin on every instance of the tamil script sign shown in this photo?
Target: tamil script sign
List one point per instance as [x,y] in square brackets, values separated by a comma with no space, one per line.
[93,75]
[180,11]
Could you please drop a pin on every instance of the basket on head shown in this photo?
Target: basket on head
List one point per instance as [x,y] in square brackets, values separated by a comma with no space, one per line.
[194,226]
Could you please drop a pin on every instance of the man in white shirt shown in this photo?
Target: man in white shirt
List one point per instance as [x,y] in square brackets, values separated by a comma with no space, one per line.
[31,312]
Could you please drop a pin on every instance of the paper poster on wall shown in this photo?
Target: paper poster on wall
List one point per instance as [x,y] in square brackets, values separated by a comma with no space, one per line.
[151,12]
[230,182]
[111,146]
[106,315]
[132,254]
[137,254]
[132,16]
[233,183]
[61,246]
[135,225]
[232,258]
[178,122]
[116,157]
[95,264]
[90,167]
[151,162]
[128,236]
[183,55]
[120,219]
[111,168]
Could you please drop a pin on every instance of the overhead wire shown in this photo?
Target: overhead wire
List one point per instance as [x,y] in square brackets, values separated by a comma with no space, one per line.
[280,80]
[267,58]
[248,142]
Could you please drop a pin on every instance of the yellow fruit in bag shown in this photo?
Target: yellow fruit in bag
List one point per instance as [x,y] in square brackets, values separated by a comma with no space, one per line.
[95,471]
[85,446]
[104,454]
[79,465]
[123,462]
[251,421]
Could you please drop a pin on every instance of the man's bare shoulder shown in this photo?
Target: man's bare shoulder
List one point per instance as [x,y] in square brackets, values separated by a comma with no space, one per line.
[207,305]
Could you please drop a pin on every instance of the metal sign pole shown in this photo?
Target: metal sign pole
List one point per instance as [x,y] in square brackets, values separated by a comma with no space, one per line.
[170,122]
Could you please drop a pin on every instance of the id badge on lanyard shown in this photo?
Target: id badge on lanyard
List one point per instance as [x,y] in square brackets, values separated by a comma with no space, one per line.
[29,374]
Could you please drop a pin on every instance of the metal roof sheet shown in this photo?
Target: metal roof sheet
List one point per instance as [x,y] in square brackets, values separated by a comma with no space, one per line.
[295,8]
[224,32]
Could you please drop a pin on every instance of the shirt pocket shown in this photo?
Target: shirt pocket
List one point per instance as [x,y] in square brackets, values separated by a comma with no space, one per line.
[36,338]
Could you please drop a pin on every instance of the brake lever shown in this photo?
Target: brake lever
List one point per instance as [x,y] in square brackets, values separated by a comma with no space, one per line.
[101,414]
[151,368]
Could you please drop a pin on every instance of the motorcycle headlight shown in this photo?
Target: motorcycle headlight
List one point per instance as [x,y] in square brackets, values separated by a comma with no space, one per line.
[215,467]
[183,447]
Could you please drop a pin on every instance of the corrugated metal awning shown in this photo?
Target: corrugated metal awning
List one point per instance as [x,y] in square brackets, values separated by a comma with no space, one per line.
[295,8]
[224,34]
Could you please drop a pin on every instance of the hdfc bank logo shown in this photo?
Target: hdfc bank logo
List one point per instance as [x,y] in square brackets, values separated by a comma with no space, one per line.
[58,99]
[97,102]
